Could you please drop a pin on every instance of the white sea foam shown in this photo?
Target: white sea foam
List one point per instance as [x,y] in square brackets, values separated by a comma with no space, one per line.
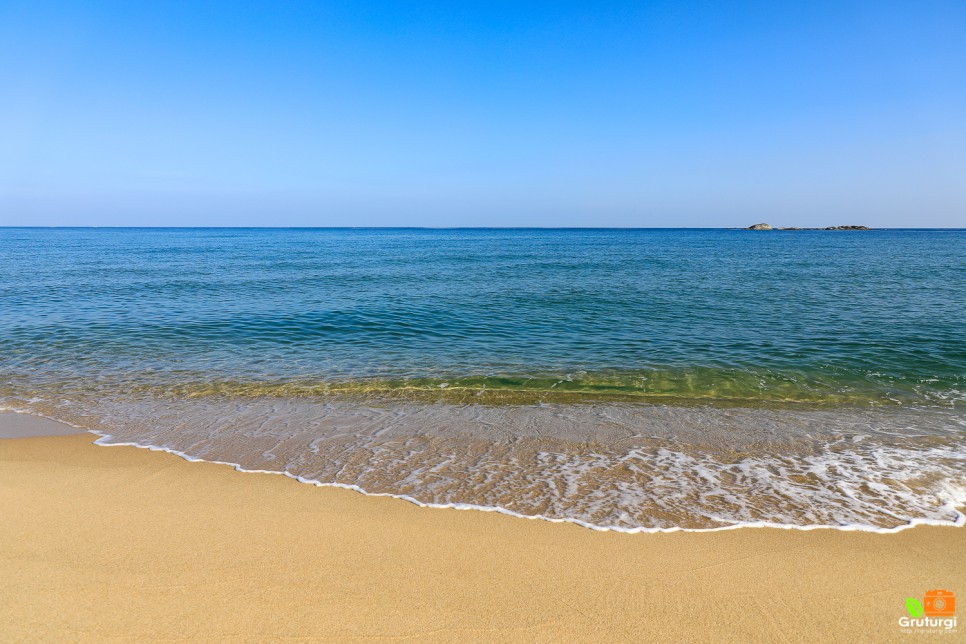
[649,483]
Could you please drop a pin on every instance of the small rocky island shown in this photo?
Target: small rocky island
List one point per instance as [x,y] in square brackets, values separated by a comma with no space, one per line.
[768,227]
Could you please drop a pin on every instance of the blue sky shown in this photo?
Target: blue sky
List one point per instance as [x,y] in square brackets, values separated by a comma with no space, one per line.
[482,114]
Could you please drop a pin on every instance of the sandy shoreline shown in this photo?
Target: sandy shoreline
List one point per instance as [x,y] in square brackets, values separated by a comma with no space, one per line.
[130,544]
[14,425]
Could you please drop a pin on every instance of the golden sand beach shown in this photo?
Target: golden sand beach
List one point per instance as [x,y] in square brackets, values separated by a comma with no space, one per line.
[120,543]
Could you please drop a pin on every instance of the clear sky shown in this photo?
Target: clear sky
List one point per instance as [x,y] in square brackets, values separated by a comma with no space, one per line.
[483,114]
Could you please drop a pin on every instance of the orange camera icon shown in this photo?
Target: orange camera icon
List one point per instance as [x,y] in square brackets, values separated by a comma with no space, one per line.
[939,603]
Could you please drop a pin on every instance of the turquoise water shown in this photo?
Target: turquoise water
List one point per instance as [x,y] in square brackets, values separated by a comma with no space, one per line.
[633,379]
[718,315]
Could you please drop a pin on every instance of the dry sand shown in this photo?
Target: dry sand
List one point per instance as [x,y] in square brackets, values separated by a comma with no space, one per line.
[122,543]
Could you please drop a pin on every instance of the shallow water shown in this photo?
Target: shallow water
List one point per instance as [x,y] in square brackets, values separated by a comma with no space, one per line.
[629,379]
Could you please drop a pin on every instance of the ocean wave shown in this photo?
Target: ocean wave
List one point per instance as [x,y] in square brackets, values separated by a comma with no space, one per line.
[625,467]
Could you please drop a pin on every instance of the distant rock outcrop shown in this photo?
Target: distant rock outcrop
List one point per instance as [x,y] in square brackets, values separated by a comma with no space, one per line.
[768,227]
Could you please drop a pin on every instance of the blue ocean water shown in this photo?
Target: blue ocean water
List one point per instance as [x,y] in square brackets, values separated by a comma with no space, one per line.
[629,379]
[869,317]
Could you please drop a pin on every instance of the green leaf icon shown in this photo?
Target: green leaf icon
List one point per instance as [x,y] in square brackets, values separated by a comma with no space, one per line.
[914,607]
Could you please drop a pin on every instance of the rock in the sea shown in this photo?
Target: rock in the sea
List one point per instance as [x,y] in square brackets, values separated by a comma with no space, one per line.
[848,228]
[759,227]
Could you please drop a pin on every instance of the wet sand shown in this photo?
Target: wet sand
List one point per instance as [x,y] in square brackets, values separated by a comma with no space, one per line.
[13,425]
[124,543]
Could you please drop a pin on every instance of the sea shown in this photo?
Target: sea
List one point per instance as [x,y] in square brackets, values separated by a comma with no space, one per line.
[638,380]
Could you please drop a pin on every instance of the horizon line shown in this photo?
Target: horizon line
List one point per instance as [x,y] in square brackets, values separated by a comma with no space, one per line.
[803,229]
